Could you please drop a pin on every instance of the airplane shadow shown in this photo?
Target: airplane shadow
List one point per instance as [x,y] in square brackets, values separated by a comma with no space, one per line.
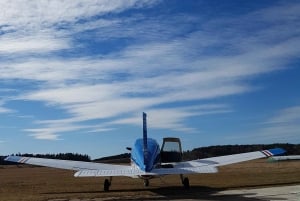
[170,193]
[196,193]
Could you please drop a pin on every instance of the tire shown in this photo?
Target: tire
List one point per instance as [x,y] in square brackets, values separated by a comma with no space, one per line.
[106,185]
[186,183]
[146,183]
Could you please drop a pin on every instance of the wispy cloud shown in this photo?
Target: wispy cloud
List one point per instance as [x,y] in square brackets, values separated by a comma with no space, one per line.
[36,14]
[283,126]
[169,118]
[37,43]
[287,115]
[173,118]
[179,64]
[4,109]
[52,131]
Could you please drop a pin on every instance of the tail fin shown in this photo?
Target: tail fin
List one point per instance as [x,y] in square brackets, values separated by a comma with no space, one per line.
[145,148]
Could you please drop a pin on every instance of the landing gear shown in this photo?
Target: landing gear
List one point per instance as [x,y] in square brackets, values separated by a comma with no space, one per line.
[185,182]
[107,184]
[146,182]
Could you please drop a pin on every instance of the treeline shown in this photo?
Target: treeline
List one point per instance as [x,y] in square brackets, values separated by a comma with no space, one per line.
[61,156]
[212,151]
[121,158]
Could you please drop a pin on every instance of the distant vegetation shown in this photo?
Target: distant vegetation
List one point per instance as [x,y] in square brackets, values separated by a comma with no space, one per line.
[198,153]
[115,159]
[62,156]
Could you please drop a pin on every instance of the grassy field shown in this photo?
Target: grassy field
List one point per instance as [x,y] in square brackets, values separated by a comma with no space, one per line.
[29,183]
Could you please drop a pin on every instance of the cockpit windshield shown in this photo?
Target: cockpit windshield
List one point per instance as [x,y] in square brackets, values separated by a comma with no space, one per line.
[171,150]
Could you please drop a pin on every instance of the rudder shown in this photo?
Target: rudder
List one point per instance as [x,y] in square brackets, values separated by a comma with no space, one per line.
[145,144]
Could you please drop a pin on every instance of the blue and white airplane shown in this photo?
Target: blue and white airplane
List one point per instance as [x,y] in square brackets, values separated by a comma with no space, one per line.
[148,161]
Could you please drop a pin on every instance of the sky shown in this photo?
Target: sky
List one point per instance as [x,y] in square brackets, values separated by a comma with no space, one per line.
[75,75]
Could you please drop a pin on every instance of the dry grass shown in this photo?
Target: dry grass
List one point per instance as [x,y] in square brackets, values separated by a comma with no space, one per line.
[29,183]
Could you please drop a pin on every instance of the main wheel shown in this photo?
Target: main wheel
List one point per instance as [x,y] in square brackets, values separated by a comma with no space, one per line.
[106,185]
[186,183]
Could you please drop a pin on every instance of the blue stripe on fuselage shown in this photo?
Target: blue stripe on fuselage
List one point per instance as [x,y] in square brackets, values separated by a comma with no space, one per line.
[137,154]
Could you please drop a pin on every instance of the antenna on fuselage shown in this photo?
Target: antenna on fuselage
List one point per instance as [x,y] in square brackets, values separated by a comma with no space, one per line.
[145,145]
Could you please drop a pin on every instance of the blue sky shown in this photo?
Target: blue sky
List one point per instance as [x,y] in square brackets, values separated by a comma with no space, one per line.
[75,76]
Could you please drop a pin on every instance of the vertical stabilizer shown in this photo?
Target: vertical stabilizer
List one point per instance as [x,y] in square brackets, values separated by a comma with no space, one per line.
[145,146]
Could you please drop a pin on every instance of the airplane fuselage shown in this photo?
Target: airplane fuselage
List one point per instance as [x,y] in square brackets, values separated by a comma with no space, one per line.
[145,159]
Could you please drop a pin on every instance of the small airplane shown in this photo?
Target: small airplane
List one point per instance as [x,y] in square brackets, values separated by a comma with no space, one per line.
[148,161]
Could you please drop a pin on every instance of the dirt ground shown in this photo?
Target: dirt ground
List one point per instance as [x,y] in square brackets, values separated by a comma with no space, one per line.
[28,183]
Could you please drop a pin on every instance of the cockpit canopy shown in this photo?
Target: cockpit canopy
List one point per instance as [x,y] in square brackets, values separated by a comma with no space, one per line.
[171,150]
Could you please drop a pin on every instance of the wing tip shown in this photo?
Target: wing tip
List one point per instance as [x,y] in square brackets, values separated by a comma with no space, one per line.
[12,159]
[17,159]
[273,152]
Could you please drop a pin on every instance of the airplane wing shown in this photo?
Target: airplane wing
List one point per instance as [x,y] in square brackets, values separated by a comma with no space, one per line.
[65,164]
[89,169]
[230,159]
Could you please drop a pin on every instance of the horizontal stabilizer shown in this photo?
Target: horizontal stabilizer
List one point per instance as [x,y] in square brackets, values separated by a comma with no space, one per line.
[137,172]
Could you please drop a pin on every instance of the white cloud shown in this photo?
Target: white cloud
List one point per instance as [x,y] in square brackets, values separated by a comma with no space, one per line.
[53,131]
[40,26]
[100,130]
[37,43]
[43,134]
[287,115]
[173,118]
[4,109]
[206,64]
[38,14]
[282,127]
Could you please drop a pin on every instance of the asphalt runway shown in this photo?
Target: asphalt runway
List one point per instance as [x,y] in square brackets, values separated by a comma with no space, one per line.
[291,193]
[282,193]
